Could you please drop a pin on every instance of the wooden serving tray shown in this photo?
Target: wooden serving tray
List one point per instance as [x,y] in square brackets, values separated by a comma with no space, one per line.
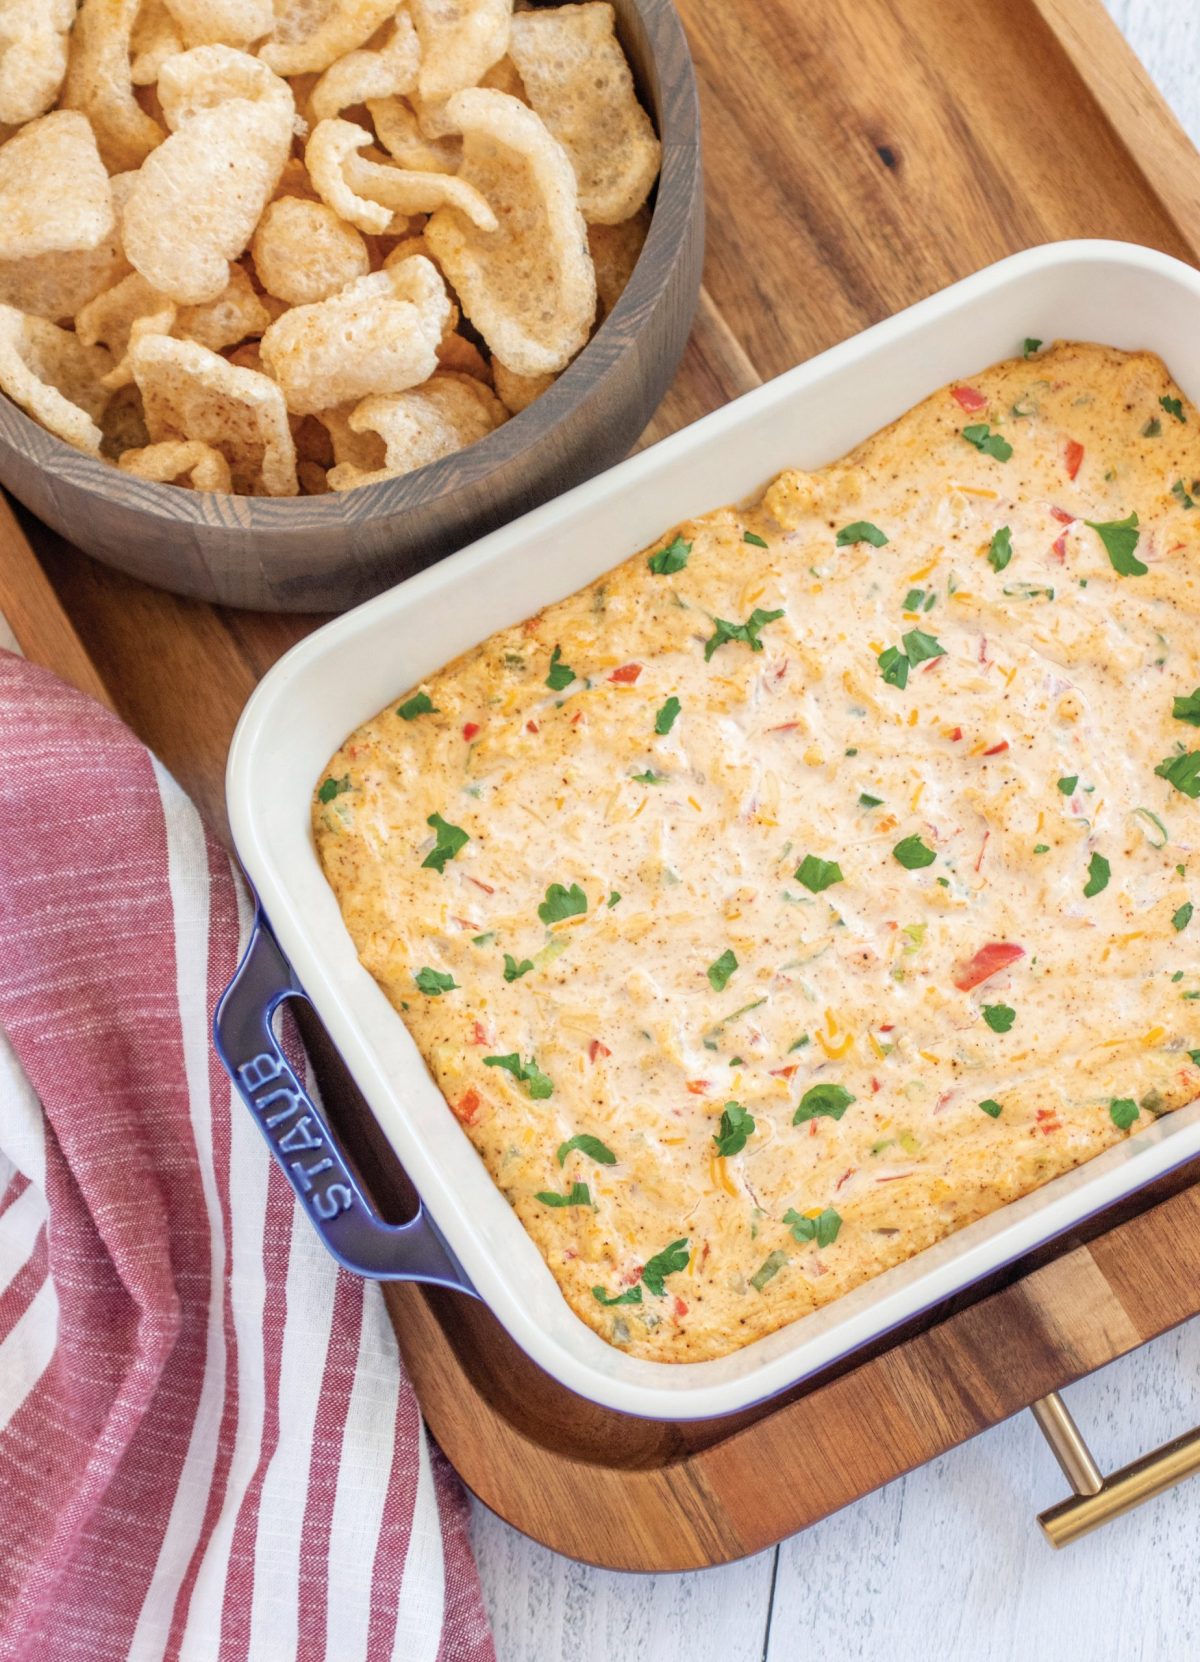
[860,154]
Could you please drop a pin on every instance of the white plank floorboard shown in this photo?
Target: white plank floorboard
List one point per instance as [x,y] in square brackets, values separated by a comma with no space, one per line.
[947,1562]
[545,1607]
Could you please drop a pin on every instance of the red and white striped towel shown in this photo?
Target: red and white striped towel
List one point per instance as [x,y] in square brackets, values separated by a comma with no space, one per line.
[208,1448]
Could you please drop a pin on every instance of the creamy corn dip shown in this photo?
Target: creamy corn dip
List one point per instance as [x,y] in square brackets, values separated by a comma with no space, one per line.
[823,877]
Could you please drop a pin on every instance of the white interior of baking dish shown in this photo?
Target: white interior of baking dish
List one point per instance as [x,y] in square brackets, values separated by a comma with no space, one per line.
[1110,292]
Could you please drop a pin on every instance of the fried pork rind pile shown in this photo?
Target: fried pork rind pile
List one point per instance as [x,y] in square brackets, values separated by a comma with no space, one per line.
[284,247]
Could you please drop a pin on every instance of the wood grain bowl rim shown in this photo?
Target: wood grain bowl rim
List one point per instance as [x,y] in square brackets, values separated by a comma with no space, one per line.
[679,190]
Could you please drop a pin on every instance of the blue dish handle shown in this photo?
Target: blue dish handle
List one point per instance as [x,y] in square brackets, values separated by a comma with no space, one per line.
[300,1138]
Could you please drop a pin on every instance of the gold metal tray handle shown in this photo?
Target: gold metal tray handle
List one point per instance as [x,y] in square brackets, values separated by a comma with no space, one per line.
[1098,1498]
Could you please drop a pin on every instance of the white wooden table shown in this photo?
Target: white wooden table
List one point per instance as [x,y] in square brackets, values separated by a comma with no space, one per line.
[947,1563]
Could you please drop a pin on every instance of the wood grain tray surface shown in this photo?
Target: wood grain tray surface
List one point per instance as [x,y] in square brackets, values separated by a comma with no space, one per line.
[860,154]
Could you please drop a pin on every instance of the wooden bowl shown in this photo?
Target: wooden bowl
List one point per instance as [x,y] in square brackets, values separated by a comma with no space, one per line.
[324,553]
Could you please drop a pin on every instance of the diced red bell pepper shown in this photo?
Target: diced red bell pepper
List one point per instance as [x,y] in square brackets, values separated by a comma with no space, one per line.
[969,399]
[681,1308]
[1074,457]
[470,728]
[1060,547]
[596,1049]
[1062,516]
[468,1106]
[988,961]
[626,675]
[997,749]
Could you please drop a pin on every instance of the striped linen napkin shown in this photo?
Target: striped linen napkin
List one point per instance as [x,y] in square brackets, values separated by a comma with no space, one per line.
[208,1447]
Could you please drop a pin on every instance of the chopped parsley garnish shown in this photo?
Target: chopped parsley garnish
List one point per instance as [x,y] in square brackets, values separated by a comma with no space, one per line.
[333,787]
[750,537]
[451,840]
[999,1017]
[920,646]
[769,1268]
[818,874]
[1183,916]
[612,900]
[1122,1111]
[916,598]
[1000,549]
[514,971]
[631,1295]
[913,854]
[1188,708]
[1152,428]
[894,666]
[589,1145]
[649,778]
[737,1124]
[1030,346]
[991,1108]
[562,903]
[747,632]
[1182,771]
[861,531]
[823,1229]
[1174,407]
[1099,872]
[865,801]
[561,675]
[672,558]
[1184,496]
[434,982]
[420,704]
[669,1261]
[822,1101]
[1068,783]
[1120,538]
[667,716]
[1041,848]
[721,969]
[525,1073]
[799,1043]
[987,442]
[578,1195]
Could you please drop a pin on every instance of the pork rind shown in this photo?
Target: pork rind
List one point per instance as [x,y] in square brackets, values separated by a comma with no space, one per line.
[363,450]
[615,251]
[33,56]
[57,285]
[179,462]
[54,192]
[528,287]
[98,83]
[376,197]
[380,334]
[236,314]
[361,76]
[198,198]
[304,253]
[460,40]
[308,38]
[399,132]
[230,22]
[55,378]
[190,393]
[517,392]
[120,317]
[577,79]
[421,426]
[153,39]
[207,76]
